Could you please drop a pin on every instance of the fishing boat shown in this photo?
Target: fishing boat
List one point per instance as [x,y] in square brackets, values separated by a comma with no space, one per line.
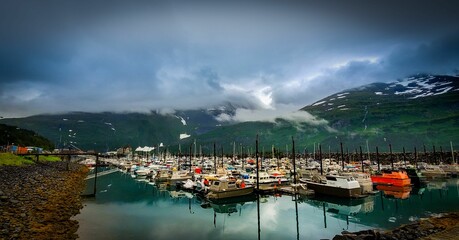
[222,189]
[434,172]
[339,186]
[451,169]
[162,176]
[391,177]
[417,179]
[364,179]
[178,176]
[264,179]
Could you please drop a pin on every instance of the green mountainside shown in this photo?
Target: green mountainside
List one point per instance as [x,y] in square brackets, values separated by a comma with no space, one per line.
[416,111]
[420,110]
[13,135]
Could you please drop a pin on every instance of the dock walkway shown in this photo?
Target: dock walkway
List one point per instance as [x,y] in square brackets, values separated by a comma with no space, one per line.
[91,176]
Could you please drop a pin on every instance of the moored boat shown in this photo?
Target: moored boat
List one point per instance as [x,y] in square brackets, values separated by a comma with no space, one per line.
[433,172]
[339,186]
[364,179]
[417,179]
[221,189]
[391,177]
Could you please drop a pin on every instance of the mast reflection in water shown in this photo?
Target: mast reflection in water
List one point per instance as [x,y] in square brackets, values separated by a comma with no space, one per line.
[128,209]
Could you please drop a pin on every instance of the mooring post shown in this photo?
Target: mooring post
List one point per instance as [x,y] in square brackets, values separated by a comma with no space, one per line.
[222,155]
[191,145]
[294,164]
[441,154]
[404,156]
[425,154]
[320,158]
[215,159]
[256,155]
[391,159]
[452,152]
[377,159]
[434,155]
[95,175]
[415,158]
[361,159]
[342,155]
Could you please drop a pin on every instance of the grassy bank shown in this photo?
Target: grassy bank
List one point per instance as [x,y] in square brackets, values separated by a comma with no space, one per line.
[9,159]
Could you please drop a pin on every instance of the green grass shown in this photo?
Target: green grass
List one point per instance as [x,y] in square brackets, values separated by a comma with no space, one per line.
[9,159]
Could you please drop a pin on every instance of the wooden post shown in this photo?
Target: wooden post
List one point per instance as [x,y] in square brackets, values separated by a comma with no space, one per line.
[95,175]
[434,155]
[441,154]
[425,153]
[294,164]
[320,156]
[452,152]
[361,159]
[215,160]
[191,145]
[404,156]
[222,156]
[342,155]
[415,158]
[377,159]
[391,159]
[256,155]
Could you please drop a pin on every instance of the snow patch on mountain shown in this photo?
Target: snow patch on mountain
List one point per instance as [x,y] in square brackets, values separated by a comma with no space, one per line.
[420,86]
[184,135]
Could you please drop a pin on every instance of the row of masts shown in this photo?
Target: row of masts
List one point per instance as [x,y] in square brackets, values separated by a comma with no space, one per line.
[415,156]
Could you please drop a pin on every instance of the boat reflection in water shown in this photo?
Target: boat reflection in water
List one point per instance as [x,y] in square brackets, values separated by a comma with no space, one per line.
[227,206]
[342,208]
[400,192]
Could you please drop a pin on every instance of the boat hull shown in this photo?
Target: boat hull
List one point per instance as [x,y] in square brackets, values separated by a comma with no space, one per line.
[333,191]
[399,182]
[229,193]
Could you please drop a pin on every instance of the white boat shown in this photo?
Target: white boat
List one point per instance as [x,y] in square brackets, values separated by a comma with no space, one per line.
[180,176]
[433,172]
[264,179]
[334,185]
[364,179]
[162,176]
[142,172]
[221,189]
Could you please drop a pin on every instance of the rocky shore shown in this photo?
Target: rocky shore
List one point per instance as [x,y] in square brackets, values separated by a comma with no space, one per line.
[445,226]
[37,201]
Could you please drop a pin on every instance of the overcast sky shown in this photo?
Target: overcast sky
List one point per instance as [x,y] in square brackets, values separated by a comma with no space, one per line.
[59,56]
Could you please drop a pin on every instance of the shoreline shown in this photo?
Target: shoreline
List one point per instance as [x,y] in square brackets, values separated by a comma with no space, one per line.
[37,201]
[443,226]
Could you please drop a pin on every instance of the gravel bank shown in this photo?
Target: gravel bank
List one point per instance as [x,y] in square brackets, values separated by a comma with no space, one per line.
[441,227]
[37,201]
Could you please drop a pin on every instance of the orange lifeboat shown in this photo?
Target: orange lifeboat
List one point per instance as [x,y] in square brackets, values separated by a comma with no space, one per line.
[395,178]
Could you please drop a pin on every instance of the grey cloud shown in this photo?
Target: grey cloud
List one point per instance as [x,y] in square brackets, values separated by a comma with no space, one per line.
[143,55]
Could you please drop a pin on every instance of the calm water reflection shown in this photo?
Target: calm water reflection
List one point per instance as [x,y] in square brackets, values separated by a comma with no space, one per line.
[128,209]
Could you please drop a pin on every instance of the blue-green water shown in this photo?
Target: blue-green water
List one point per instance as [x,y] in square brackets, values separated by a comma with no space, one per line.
[128,209]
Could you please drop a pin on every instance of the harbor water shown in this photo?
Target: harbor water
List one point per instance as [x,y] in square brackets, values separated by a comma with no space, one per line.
[125,208]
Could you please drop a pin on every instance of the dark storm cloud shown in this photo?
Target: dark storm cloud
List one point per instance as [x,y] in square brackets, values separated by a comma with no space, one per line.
[144,55]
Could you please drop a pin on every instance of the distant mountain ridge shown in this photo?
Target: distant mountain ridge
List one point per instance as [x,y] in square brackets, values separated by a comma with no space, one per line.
[418,110]
[10,135]
[421,109]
